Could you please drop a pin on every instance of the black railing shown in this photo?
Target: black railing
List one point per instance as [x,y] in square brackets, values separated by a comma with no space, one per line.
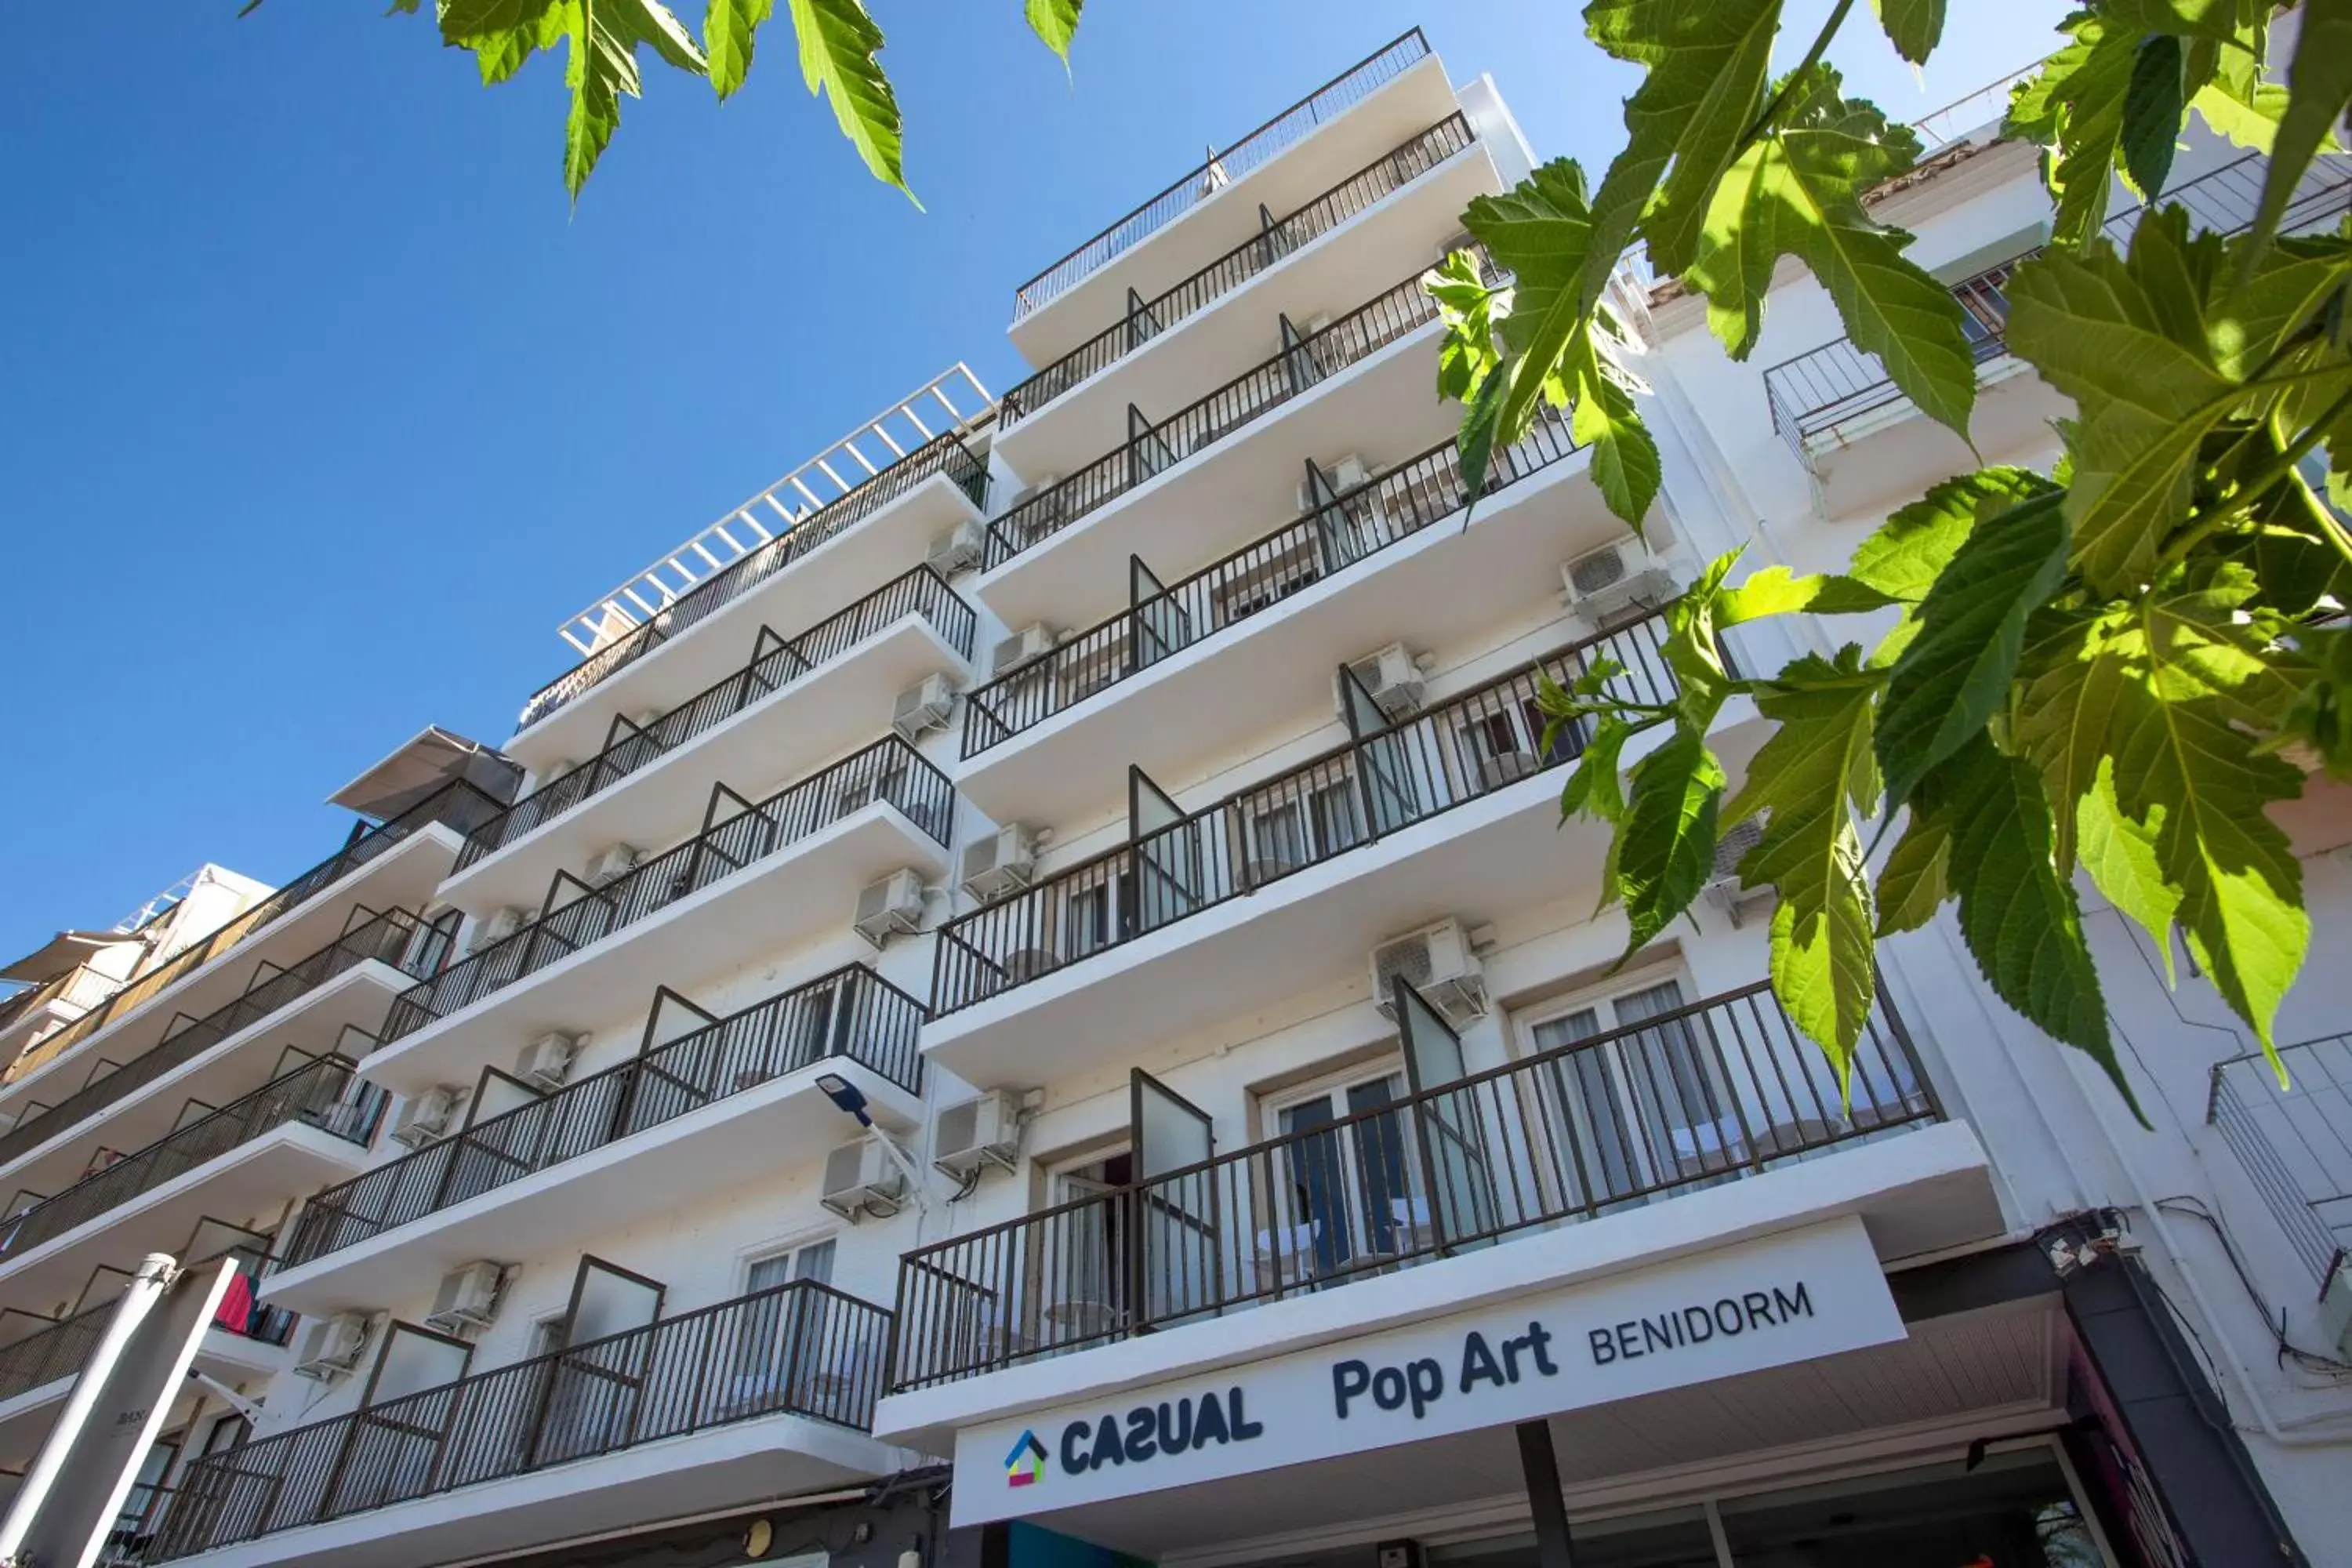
[130,1543]
[801,1348]
[2295,1145]
[1355,525]
[396,938]
[58,1349]
[1689,1098]
[1354,794]
[1306,363]
[458,805]
[944,455]
[1260,146]
[1276,239]
[1816,392]
[737,834]
[775,662]
[852,1013]
[324,1094]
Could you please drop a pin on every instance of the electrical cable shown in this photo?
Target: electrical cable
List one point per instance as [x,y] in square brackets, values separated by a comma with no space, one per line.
[2312,1361]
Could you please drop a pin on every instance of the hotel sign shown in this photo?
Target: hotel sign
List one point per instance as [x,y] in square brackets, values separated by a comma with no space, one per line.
[1787,1299]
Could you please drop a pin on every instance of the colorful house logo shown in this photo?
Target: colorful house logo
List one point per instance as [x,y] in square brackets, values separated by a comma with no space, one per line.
[1027,1463]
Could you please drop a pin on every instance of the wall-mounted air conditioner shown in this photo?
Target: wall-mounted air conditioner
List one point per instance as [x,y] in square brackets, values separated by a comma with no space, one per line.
[611,864]
[1437,961]
[891,906]
[546,1062]
[1604,583]
[467,1299]
[925,706]
[426,1116]
[496,927]
[956,550]
[1025,647]
[330,1348]
[1393,675]
[998,864]
[1349,473]
[862,1179]
[1723,889]
[974,1134]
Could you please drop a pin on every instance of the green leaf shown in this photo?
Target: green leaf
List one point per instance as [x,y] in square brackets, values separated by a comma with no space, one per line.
[2320,718]
[1665,842]
[1903,558]
[838,43]
[729,30]
[2152,106]
[1466,304]
[2252,121]
[1956,673]
[1806,783]
[1913,26]
[1798,192]
[1624,457]
[2319,91]
[1917,877]
[1056,22]
[2076,105]
[1776,591]
[2216,21]
[602,67]
[1594,789]
[503,33]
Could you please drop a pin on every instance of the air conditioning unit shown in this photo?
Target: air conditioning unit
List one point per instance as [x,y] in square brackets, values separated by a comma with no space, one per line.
[974,1134]
[1349,473]
[495,928]
[1723,889]
[1026,646]
[1392,676]
[426,1116]
[957,550]
[1439,964]
[1604,583]
[891,906]
[922,707]
[546,1062]
[611,864]
[467,1299]
[860,1177]
[998,864]
[330,1348]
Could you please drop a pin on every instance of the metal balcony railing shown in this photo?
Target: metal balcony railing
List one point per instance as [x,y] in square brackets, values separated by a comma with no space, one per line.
[56,1350]
[1708,1093]
[1276,238]
[852,1012]
[2295,1144]
[1351,85]
[801,1348]
[1817,391]
[396,938]
[325,1094]
[737,834]
[132,1542]
[1351,527]
[1451,753]
[1306,363]
[943,454]
[775,662]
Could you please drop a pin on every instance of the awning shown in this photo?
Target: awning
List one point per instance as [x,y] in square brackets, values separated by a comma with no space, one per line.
[428,761]
[60,953]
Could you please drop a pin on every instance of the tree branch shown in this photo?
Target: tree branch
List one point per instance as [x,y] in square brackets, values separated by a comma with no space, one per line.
[1812,58]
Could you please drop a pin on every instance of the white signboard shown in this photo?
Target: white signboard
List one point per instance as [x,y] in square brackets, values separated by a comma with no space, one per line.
[1790,1297]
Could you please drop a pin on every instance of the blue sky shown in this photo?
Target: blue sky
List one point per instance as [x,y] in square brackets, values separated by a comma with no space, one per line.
[319,411]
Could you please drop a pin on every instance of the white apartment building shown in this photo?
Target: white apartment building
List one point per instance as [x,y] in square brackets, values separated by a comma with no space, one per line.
[918,1068]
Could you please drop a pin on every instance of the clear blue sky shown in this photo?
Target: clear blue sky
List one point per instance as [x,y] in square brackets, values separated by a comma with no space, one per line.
[318,411]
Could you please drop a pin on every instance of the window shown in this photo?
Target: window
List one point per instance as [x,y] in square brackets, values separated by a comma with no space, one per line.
[780,1353]
[1644,1109]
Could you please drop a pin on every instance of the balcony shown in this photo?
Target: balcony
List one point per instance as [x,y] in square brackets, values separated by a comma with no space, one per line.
[1362,385]
[758,877]
[638,1141]
[305,1006]
[794,704]
[770,1394]
[1196,668]
[33,1014]
[397,861]
[1619,1131]
[310,1125]
[1400,208]
[2295,1146]
[1257,895]
[837,550]
[1372,104]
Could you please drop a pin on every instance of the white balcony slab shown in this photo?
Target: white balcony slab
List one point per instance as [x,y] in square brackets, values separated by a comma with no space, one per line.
[780,1125]
[1444,583]
[828,579]
[1406,104]
[704,1472]
[234,1359]
[1893,453]
[803,887]
[252,1181]
[786,735]
[402,877]
[1383,408]
[230,1069]
[1330,275]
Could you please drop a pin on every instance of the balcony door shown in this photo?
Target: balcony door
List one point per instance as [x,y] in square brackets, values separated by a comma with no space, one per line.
[1083,1259]
[596,1385]
[1642,1110]
[777,1357]
[1350,1191]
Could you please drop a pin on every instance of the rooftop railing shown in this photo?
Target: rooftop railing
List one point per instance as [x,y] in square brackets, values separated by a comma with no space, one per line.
[325,1094]
[2295,1144]
[1688,1097]
[1276,238]
[1343,91]
[1452,753]
[396,938]
[775,662]
[1307,362]
[458,805]
[737,834]
[801,1348]
[1353,526]
[851,1013]
[942,455]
